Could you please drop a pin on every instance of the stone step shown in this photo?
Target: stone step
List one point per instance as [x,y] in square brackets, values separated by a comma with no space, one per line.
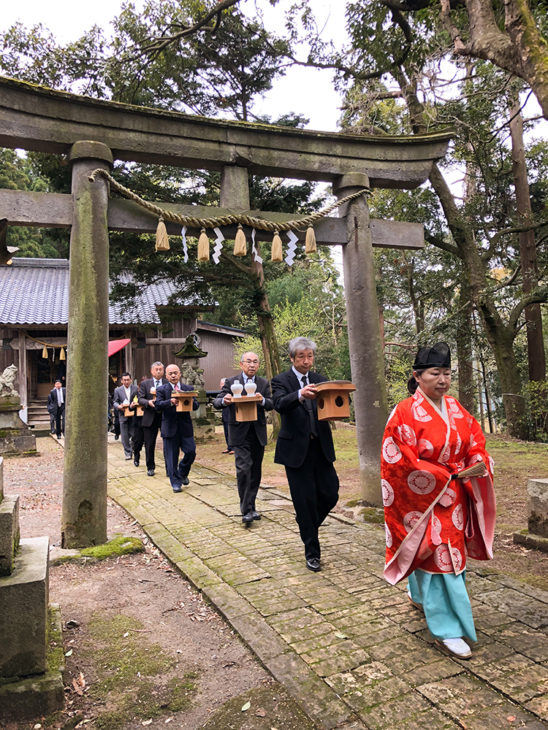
[1,478]
[9,532]
[23,618]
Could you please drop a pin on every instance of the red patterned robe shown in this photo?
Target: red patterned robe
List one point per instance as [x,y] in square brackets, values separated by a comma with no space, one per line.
[431,521]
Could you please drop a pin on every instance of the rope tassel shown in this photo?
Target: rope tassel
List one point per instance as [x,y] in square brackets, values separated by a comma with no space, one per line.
[162,239]
[277,250]
[45,352]
[62,354]
[203,246]
[310,241]
[240,243]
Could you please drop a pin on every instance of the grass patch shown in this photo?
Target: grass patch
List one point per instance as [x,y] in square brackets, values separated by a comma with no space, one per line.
[135,678]
[119,545]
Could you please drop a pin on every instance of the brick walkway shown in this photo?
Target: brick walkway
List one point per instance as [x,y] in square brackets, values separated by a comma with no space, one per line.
[349,647]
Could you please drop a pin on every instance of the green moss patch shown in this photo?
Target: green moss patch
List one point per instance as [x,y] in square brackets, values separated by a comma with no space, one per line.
[373,515]
[268,707]
[136,679]
[119,545]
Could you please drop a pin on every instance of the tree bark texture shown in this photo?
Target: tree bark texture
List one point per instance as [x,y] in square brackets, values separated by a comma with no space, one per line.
[527,249]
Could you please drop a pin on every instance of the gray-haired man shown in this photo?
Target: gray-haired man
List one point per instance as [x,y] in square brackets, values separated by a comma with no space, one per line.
[305,446]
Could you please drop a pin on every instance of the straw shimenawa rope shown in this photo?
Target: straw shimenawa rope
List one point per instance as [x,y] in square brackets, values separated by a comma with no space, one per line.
[226,220]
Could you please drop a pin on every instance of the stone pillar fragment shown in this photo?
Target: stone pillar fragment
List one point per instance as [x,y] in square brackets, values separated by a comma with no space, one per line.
[84,517]
[365,344]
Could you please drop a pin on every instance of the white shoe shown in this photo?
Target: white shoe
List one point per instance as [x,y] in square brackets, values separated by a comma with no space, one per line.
[458,647]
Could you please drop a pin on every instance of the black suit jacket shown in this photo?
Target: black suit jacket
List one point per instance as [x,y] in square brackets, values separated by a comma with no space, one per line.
[53,405]
[238,430]
[294,437]
[144,396]
[170,416]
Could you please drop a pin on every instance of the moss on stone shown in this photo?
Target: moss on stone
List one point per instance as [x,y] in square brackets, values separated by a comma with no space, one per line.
[119,545]
[373,515]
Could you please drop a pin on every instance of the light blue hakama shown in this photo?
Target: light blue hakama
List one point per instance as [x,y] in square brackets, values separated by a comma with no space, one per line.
[446,604]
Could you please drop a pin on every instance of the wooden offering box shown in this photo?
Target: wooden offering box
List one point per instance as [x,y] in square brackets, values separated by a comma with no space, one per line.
[184,398]
[128,411]
[139,411]
[246,407]
[333,399]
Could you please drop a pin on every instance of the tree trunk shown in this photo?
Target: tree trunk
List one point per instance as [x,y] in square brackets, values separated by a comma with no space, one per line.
[464,350]
[499,335]
[527,248]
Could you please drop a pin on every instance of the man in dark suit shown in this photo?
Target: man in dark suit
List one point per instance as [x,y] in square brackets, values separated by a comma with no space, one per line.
[152,418]
[57,399]
[305,446]
[176,429]
[247,438]
[124,395]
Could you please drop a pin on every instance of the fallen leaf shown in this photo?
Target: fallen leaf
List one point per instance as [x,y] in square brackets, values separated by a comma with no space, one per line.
[246,707]
[511,718]
[340,635]
[81,680]
[77,688]
[68,653]
[126,634]
[260,712]
[146,722]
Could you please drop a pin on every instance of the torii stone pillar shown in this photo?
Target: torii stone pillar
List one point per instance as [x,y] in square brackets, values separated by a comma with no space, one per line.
[364,337]
[84,518]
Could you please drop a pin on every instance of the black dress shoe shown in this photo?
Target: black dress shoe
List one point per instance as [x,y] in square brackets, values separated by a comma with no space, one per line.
[150,472]
[313,564]
[247,519]
[177,488]
[185,480]
[136,462]
[255,515]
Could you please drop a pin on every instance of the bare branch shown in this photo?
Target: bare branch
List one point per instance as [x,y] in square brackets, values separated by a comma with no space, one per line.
[539,295]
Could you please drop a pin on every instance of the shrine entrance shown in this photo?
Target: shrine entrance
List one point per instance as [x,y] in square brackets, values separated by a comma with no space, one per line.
[93,133]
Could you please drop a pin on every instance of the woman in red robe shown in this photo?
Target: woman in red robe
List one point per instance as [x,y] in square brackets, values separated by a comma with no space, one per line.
[434,517]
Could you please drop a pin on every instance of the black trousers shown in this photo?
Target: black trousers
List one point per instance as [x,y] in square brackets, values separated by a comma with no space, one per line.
[314,488]
[248,459]
[60,420]
[138,436]
[150,434]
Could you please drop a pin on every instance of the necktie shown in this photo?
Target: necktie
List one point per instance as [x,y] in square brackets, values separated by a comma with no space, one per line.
[310,409]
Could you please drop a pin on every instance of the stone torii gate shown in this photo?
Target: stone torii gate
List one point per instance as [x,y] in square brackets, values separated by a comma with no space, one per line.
[92,133]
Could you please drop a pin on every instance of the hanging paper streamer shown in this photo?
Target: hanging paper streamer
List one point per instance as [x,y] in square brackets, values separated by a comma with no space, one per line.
[258,259]
[218,245]
[291,248]
[185,247]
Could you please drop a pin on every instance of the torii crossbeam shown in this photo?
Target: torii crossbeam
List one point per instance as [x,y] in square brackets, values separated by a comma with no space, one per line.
[93,133]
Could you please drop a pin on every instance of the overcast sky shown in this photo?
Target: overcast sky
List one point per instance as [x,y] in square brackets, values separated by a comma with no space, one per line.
[303,91]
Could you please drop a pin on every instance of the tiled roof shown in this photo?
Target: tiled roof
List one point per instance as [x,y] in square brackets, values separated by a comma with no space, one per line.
[35,291]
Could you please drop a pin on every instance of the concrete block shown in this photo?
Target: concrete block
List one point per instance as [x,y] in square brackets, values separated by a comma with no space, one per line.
[9,532]
[41,694]
[1,478]
[537,489]
[23,618]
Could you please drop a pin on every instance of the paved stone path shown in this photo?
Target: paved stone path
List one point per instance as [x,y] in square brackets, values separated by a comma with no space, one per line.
[349,647]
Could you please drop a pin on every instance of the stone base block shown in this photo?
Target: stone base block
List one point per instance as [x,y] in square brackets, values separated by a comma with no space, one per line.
[23,616]
[1,478]
[9,533]
[531,541]
[42,694]
[537,490]
[17,442]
